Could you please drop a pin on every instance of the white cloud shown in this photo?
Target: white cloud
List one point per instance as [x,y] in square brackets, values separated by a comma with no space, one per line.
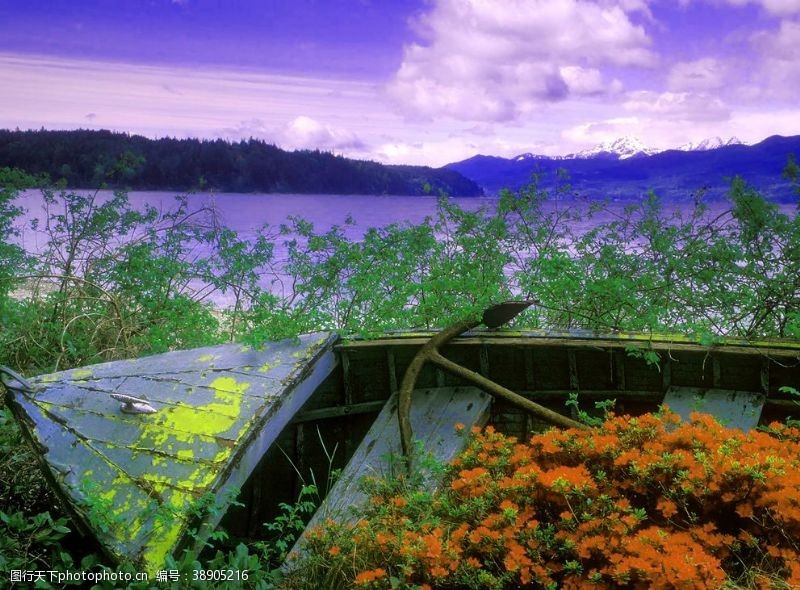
[306,133]
[252,128]
[752,126]
[778,74]
[438,151]
[302,132]
[182,102]
[596,132]
[677,106]
[773,7]
[587,81]
[703,74]
[494,61]
[776,7]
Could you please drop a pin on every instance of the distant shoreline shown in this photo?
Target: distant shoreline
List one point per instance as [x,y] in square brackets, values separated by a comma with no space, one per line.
[84,157]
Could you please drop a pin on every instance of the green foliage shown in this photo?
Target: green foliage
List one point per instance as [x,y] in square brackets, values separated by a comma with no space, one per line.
[287,527]
[792,172]
[649,356]
[12,256]
[32,542]
[111,282]
[605,406]
[21,483]
[115,282]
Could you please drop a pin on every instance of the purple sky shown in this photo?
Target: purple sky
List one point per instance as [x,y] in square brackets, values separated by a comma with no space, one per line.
[426,81]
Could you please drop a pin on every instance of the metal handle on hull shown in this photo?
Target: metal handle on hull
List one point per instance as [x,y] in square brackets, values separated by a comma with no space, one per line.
[133,405]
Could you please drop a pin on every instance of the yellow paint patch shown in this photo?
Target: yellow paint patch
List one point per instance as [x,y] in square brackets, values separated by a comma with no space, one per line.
[185,454]
[184,425]
[108,496]
[166,532]
[186,422]
[207,358]
[80,374]
[267,367]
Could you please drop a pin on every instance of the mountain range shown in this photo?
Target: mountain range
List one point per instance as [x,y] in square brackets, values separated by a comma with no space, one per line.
[625,168]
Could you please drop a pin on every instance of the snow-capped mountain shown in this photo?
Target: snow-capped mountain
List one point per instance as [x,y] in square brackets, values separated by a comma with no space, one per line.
[623,148]
[710,143]
[629,147]
[530,156]
[614,169]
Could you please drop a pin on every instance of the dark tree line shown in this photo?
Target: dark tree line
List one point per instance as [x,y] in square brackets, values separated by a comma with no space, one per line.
[90,159]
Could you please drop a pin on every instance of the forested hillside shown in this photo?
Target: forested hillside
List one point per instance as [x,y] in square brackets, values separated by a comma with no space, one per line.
[89,159]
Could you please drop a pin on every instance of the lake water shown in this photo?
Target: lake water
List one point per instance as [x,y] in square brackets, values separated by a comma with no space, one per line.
[246,213]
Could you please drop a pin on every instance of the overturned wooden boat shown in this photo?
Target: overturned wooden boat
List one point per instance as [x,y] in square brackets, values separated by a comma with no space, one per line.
[142,451]
[234,423]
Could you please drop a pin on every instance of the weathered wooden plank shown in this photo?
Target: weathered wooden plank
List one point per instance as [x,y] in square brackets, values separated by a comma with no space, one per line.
[392,371]
[275,360]
[550,395]
[584,339]
[619,369]
[213,412]
[530,372]
[484,360]
[735,409]
[268,426]
[127,432]
[666,374]
[574,384]
[346,378]
[336,411]
[434,413]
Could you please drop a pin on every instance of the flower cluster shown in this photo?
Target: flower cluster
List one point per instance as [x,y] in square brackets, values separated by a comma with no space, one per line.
[637,502]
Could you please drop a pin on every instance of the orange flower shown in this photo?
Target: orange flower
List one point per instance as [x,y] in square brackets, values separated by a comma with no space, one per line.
[473,563]
[369,576]
[667,507]
[601,493]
